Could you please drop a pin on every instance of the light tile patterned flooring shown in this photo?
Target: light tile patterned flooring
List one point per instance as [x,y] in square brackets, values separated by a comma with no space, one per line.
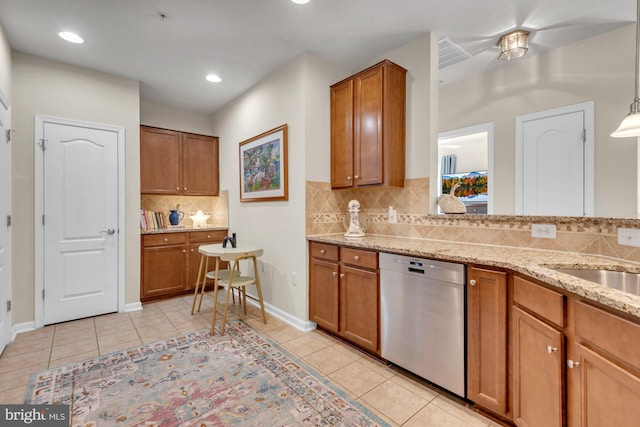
[396,396]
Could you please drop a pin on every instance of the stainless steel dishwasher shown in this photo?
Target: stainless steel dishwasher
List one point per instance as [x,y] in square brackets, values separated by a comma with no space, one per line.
[422,317]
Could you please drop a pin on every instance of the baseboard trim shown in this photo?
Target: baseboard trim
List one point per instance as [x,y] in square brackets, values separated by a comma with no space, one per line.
[303,325]
[19,328]
[133,306]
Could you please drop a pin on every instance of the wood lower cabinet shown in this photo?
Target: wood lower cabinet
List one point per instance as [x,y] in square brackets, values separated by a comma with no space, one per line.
[603,369]
[173,162]
[538,360]
[487,339]
[368,128]
[164,265]
[344,293]
[537,342]
[170,262]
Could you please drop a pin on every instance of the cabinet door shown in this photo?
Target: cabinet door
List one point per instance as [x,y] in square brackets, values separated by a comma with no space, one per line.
[163,270]
[342,135]
[604,394]
[195,240]
[359,307]
[487,339]
[538,360]
[160,161]
[323,294]
[368,155]
[200,165]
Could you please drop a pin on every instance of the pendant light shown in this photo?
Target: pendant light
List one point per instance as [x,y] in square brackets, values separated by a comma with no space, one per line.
[630,126]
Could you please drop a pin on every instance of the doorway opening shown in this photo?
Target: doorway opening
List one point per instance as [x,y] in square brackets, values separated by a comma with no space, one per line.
[465,157]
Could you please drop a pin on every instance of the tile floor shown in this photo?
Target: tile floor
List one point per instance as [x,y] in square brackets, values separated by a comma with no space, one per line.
[394,395]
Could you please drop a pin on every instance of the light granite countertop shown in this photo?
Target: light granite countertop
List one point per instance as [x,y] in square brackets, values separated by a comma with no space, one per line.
[535,263]
[180,229]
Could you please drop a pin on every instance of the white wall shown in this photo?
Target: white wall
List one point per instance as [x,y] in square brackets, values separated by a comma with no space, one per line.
[51,88]
[289,95]
[5,65]
[167,117]
[599,69]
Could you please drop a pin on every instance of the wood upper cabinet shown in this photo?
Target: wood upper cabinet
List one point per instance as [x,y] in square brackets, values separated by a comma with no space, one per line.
[173,162]
[603,369]
[344,293]
[487,339]
[368,128]
[538,355]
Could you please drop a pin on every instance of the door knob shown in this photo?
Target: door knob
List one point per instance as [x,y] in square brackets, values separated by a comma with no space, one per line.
[108,231]
[571,364]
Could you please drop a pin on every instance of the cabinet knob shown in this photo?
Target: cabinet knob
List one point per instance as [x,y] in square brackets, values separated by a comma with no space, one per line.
[178,188]
[357,176]
[184,251]
[342,275]
[335,273]
[356,257]
[551,349]
[166,240]
[348,178]
[323,251]
[185,188]
[472,282]
[208,237]
[191,250]
[571,364]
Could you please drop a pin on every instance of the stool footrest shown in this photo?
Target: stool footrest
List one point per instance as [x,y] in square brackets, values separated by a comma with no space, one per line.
[238,281]
[222,274]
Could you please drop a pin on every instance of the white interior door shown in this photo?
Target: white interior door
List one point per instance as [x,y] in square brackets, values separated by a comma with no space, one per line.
[5,224]
[80,231]
[554,169]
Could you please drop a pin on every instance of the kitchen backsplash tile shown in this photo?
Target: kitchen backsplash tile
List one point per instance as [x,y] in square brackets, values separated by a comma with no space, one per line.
[216,207]
[327,213]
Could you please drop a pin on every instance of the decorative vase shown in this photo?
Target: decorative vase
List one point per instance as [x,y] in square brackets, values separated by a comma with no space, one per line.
[175,217]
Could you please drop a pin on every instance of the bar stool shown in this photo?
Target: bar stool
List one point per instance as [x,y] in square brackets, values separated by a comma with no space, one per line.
[235,280]
[208,275]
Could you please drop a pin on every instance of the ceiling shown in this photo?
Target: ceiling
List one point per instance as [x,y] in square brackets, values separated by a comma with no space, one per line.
[244,40]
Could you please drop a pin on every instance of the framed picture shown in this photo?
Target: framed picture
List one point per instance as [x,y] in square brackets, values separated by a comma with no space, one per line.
[263,167]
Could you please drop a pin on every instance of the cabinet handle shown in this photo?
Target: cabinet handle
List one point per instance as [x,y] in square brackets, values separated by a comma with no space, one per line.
[356,257]
[342,275]
[166,240]
[551,349]
[472,282]
[323,251]
[335,273]
[571,364]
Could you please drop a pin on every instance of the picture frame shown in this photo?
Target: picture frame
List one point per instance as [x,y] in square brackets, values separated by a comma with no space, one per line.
[263,167]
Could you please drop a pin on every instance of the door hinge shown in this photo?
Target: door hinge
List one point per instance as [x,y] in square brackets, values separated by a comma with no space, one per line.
[42,219]
[41,144]
[43,294]
[8,135]
[584,135]
[8,221]
[8,306]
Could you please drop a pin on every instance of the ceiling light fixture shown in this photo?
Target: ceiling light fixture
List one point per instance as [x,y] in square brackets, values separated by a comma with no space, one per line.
[630,126]
[513,45]
[214,78]
[301,1]
[70,37]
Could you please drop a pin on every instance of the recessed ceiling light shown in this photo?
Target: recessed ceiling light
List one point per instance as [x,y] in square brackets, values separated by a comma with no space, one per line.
[70,37]
[301,1]
[214,78]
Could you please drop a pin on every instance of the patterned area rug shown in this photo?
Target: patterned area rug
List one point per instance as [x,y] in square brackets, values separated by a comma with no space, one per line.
[197,379]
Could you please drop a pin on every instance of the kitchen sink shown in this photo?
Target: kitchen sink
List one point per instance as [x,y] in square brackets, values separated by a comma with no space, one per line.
[626,282]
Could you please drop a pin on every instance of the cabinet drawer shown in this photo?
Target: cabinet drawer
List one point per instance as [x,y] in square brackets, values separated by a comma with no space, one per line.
[359,257]
[539,300]
[212,236]
[324,251]
[615,335]
[163,239]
